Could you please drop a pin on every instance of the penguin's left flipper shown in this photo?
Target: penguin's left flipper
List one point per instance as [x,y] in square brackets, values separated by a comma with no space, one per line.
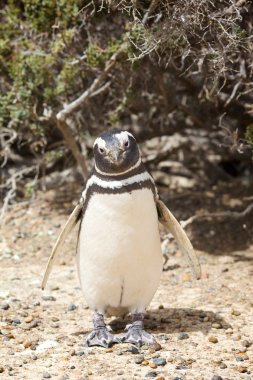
[71,223]
[170,222]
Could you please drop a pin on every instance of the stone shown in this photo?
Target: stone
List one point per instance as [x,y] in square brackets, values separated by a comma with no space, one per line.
[139,359]
[187,277]
[154,347]
[216,377]
[16,321]
[183,335]
[27,343]
[5,306]
[241,369]
[159,361]
[46,375]
[235,312]
[28,319]
[151,375]
[245,343]
[216,325]
[134,350]
[48,298]
[72,307]
[152,365]
[213,339]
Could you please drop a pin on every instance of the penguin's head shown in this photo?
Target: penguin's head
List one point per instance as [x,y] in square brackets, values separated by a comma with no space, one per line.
[116,152]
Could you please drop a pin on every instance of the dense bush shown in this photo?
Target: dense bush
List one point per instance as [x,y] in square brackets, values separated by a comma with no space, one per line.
[187,67]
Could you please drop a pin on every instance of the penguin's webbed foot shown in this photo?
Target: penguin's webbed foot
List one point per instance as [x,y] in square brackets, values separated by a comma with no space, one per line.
[136,334]
[101,336]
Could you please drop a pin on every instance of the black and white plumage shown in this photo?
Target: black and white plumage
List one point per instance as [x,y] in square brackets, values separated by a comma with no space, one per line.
[119,255]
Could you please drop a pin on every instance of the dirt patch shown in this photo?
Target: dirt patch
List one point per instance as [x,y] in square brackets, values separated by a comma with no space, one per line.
[205,327]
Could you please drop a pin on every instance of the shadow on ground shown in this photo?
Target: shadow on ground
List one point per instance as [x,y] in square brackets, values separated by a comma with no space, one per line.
[175,320]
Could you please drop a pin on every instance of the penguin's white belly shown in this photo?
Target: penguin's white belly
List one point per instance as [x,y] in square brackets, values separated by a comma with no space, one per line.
[119,252]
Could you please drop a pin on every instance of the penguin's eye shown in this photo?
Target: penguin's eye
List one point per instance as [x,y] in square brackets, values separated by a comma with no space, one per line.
[101,150]
[126,144]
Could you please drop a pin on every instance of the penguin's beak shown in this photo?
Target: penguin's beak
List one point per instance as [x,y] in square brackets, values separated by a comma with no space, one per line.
[115,155]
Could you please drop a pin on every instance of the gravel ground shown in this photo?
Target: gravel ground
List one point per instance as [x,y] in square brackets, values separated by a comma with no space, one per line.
[205,328]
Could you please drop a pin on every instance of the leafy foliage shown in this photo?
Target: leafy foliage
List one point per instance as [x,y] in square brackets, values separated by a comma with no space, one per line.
[186,67]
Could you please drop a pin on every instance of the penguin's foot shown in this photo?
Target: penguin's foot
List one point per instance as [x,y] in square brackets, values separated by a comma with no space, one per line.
[136,334]
[101,335]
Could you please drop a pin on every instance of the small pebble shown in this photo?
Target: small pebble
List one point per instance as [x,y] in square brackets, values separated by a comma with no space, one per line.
[36,303]
[1,369]
[16,321]
[5,306]
[235,312]
[242,369]
[154,347]
[216,377]
[187,277]
[139,359]
[65,377]
[72,307]
[159,361]
[245,343]
[152,365]
[213,339]
[134,350]
[223,366]
[48,298]
[55,325]
[80,353]
[178,378]
[28,319]
[120,372]
[239,358]
[27,343]
[151,375]
[46,375]
[216,325]
[183,335]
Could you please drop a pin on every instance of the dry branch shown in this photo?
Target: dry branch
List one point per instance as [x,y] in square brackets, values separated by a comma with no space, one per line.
[73,106]
[219,215]
[94,89]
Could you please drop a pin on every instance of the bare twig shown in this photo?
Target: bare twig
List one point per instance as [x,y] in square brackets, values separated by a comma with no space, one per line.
[219,215]
[11,184]
[94,89]
[73,106]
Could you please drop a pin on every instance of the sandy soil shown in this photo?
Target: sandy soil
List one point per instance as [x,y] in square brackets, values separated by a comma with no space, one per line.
[42,334]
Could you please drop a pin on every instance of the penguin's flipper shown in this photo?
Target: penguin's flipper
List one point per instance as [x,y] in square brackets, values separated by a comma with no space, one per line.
[71,222]
[171,223]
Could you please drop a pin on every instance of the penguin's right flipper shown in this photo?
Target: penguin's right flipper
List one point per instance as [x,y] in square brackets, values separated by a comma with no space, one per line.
[71,222]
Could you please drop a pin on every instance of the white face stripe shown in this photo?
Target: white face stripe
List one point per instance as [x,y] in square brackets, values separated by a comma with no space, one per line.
[100,142]
[94,180]
[116,174]
[121,136]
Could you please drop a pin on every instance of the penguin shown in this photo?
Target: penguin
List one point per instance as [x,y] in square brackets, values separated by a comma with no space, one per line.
[119,256]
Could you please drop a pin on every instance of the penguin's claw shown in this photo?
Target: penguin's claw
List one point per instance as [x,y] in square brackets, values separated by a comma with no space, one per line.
[136,334]
[101,336]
